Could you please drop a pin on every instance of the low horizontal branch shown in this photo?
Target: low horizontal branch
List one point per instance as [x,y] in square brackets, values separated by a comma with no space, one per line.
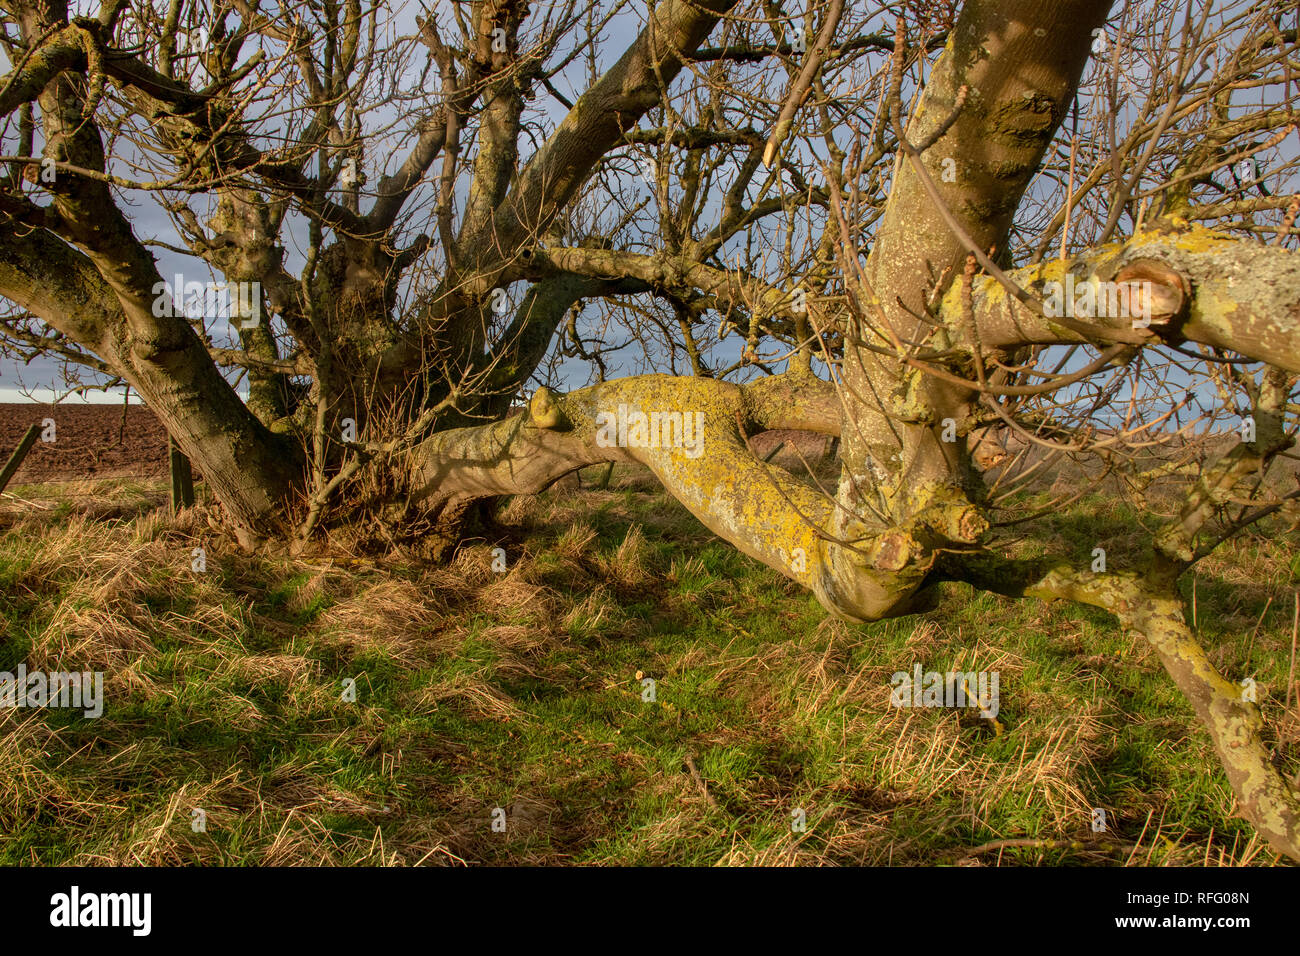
[1243,297]
[858,570]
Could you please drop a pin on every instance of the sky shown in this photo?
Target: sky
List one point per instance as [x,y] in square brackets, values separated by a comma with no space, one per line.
[34,380]
[42,380]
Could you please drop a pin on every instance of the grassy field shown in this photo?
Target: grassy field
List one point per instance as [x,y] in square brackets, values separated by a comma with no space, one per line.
[522,691]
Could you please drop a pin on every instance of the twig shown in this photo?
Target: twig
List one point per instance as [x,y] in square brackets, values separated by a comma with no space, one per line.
[699,781]
[46,507]
[802,85]
[1288,219]
[1044,845]
[1250,645]
[1069,188]
[1295,629]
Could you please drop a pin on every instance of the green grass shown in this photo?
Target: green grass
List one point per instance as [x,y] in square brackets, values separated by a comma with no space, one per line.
[523,691]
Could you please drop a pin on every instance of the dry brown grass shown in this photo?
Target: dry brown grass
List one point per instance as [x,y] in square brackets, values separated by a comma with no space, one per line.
[518,689]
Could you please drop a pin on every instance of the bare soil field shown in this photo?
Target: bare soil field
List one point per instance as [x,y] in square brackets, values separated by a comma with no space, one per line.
[90,441]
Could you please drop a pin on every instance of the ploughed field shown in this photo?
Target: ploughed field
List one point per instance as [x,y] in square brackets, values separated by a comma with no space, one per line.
[90,441]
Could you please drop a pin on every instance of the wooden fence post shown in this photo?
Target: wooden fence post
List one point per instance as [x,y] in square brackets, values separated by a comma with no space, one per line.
[182,478]
[19,454]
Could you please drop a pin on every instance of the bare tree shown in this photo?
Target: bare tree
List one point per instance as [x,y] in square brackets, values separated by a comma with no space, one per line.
[872,223]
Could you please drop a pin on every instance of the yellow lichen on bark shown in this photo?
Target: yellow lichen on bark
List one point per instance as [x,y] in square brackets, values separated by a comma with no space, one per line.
[690,432]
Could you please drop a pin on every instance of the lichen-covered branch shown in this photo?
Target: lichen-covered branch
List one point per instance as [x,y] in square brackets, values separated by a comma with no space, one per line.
[691,433]
[1241,296]
[1147,605]
[1235,723]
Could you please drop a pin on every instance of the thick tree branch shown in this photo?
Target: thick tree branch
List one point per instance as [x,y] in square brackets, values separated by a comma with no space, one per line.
[1148,606]
[1243,296]
[859,570]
